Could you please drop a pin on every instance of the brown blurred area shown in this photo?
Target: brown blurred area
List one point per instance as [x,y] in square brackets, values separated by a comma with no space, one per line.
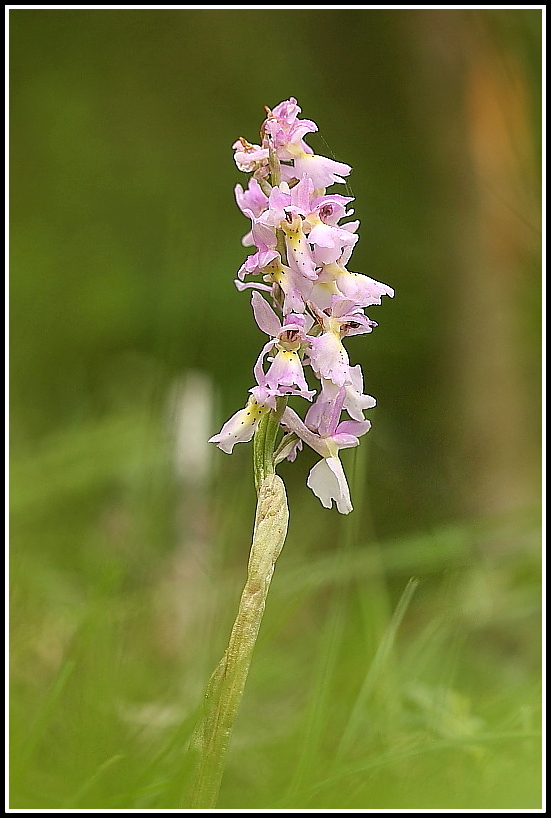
[476,98]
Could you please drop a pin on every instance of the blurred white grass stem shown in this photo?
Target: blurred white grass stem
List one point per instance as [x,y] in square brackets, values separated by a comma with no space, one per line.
[182,616]
[226,685]
[191,402]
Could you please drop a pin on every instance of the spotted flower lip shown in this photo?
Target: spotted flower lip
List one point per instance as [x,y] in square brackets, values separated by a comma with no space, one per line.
[304,299]
[299,253]
[329,359]
[240,427]
[285,376]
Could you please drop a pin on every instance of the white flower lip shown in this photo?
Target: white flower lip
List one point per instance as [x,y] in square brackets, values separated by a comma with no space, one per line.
[328,482]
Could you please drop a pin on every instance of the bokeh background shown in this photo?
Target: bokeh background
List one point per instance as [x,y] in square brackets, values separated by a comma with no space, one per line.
[398,663]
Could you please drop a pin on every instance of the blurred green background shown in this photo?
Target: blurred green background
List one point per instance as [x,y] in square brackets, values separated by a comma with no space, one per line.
[129,346]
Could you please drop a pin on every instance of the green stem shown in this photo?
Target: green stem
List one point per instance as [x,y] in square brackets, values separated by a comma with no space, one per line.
[275,178]
[225,688]
[275,167]
[264,443]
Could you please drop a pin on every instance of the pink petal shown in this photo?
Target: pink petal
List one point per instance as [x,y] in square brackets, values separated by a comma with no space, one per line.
[264,315]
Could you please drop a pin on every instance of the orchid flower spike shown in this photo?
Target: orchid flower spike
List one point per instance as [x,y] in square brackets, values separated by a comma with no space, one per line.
[310,302]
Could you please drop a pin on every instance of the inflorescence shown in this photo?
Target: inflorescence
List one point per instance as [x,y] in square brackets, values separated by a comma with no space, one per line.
[301,252]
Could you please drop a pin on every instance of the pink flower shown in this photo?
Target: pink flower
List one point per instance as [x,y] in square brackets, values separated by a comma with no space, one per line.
[253,201]
[327,354]
[329,358]
[331,208]
[361,289]
[321,170]
[296,289]
[327,478]
[324,415]
[286,211]
[286,112]
[285,376]
[285,201]
[342,435]
[285,132]
[257,262]
[264,238]
[330,241]
[240,427]
[249,158]
[283,128]
[319,217]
